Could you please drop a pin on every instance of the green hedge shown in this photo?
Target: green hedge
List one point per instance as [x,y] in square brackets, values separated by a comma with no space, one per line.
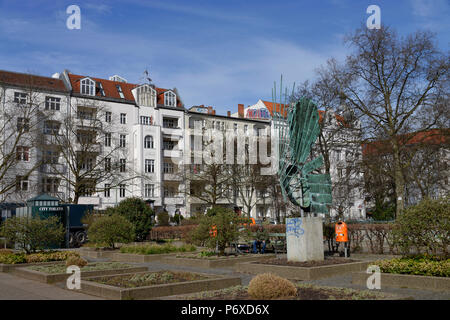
[17,258]
[420,265]
[156,249]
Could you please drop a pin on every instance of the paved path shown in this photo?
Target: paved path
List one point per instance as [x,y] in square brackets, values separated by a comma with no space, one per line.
[16,288]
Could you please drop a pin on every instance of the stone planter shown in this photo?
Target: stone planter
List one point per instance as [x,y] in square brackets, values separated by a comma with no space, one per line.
[405,281]
[155,291]
[215,263]
[302,273]
[140,258]
[97,253]
[12,267]
[60,277]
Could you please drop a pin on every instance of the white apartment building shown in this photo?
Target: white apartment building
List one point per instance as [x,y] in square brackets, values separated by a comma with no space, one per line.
[135,136]
[249,198]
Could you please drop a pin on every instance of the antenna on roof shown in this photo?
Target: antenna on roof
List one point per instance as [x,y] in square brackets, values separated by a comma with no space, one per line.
[146,77]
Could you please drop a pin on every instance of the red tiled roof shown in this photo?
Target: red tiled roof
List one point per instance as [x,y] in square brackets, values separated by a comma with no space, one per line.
[32,81]
[429,137]
[110,89]
[282,108]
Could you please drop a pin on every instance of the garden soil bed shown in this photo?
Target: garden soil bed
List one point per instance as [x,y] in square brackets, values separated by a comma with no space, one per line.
[216,262]
[326,262]
[12,267]
[303,270]
[54,276]
[148,285]
[304,292]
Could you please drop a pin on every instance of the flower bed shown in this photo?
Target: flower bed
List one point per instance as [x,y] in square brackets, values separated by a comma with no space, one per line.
[146,285]
[18,258]
[197,260]
[419,265]
[57,272]
[304,292]
[157,249]
[304,271]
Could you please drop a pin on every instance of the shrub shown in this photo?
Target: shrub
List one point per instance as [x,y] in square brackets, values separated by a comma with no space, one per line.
[177,218]
[424,227]
[163,218]
[76,261]
[6,251]
[156,249]
[139,213]
[227,224]
[270,286]
[15,258]
[419,265]
[111,229]
[175,232]
[50,256]
[33,233]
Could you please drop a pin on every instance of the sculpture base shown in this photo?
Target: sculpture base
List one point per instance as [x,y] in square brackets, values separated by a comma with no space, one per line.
[304,237]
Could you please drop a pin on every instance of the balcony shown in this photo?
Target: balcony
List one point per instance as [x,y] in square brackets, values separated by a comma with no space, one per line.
[50,139]
[174,153]
[174,200]
[175,176]
[54,168]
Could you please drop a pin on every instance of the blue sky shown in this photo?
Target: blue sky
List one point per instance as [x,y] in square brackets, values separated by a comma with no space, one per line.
[217,53]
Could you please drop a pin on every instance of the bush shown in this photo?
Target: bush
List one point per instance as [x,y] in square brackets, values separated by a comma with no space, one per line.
[419,265]
[76,261]
[424,227]
[15,258]
[156,249]
[139,214]
[175,232]
[270,286]
[33,234]
[6,251]
[163,218]
[227,224]
[111,229]
[177,218]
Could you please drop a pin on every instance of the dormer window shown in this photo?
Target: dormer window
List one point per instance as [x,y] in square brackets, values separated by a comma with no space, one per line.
[170,99]
[146,96]
[100,89]
[87,87]
[119,89]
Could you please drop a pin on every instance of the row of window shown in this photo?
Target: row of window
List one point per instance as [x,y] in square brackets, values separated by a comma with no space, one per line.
[145,94]
[51,103]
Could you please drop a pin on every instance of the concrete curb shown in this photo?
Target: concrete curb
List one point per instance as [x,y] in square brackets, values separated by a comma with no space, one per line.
[60,277]
[405,281]
[115,293]
[302,273]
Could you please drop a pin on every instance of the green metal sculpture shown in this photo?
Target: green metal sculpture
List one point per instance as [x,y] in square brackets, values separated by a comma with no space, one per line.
[298,129]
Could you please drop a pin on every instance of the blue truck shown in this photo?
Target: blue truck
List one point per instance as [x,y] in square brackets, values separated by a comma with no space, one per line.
[70,215]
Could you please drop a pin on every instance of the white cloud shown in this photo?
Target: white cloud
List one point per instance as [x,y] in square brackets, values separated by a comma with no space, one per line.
[429,8]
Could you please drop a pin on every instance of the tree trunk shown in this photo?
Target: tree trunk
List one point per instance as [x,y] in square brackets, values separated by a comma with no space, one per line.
[399,180]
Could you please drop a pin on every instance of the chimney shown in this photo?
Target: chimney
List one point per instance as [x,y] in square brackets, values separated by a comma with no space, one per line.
[240,110]
[228,114]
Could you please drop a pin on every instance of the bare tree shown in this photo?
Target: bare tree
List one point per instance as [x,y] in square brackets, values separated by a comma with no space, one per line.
[94,155]
[21,119]
[390,82]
